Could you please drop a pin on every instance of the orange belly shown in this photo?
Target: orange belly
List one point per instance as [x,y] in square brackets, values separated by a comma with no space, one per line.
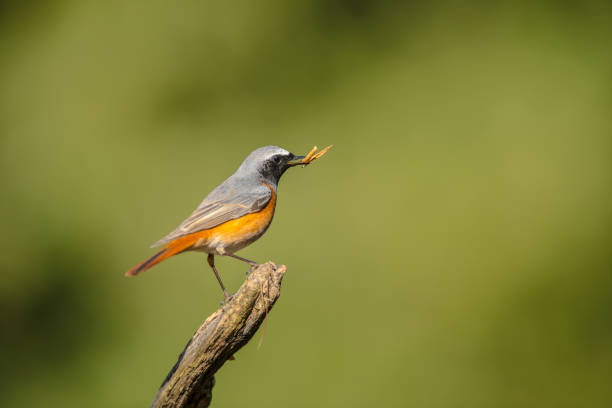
[235,234]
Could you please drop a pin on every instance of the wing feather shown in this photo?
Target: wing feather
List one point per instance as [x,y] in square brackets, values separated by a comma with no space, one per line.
[222,205]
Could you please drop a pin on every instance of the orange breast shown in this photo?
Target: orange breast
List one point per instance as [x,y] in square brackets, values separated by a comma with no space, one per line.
[231,235]
[244,229]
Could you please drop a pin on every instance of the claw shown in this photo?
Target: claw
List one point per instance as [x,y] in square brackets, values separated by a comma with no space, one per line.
[226,300]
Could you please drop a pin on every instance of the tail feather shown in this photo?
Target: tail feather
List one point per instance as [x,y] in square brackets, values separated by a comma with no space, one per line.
[149,263]
[173,248]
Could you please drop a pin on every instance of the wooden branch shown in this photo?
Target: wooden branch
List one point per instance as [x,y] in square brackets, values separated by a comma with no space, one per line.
[190,382]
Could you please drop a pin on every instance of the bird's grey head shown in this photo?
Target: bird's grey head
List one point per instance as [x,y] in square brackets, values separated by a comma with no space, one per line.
[268,163]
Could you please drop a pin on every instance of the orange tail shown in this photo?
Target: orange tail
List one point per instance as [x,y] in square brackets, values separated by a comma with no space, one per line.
[173,248]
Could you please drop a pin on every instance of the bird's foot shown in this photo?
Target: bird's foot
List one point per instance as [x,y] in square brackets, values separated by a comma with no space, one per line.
[226,299]
[253,265]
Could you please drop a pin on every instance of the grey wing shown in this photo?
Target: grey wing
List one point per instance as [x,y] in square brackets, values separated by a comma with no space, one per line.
[223,204]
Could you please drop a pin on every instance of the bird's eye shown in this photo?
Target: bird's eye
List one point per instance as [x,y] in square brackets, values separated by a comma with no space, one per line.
[276,159]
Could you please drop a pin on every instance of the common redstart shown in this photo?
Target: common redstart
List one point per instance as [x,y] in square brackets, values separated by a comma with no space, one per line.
[233,215]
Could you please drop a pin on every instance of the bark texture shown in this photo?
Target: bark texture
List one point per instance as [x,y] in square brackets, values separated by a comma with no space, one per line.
[190,382]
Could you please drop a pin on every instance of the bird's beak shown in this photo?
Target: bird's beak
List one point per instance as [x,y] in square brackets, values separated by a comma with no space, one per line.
[296,161]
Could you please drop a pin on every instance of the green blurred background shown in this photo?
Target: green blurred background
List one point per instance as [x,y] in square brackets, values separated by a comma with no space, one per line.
[452,250]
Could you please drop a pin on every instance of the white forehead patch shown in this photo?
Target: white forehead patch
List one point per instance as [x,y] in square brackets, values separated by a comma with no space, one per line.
[266,152]
[258,157]
[279,151]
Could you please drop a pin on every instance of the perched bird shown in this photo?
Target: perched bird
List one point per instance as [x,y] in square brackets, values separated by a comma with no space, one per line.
[233,215]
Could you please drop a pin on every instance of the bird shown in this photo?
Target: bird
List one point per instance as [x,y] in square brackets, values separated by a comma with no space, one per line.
[235,214]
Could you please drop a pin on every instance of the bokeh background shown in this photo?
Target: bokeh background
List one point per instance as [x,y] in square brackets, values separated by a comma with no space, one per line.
[452,250]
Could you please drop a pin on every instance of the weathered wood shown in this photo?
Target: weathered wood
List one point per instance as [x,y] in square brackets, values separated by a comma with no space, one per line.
[190,382]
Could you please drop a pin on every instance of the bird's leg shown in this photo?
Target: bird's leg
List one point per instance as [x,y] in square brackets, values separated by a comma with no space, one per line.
[211,262]
[243,259]
[251,263]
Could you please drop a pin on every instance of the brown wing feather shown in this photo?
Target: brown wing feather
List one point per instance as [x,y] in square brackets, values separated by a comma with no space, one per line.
[222,205]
